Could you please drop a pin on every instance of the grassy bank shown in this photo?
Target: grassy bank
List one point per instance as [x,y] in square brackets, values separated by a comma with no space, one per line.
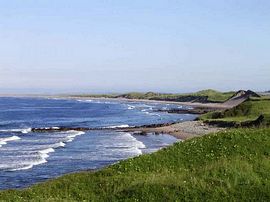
[200,96]
[255,110]
[218,167]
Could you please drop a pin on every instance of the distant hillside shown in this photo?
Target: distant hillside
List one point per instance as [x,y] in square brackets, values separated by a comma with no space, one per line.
[230,98]
[203,96]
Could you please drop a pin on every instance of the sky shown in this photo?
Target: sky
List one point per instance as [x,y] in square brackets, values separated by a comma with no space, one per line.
[98,46]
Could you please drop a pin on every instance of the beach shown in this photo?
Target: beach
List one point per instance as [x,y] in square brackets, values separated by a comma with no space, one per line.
[182,130]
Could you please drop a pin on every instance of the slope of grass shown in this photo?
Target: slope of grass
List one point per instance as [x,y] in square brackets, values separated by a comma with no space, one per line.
[215,96]
[249,110]
[232,165]
[200,96]
[204,96]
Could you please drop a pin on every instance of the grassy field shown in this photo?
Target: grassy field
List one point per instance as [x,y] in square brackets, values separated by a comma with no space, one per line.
[232,165]
[247,111]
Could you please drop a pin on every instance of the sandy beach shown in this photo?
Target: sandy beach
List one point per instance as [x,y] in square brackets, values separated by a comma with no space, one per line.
[183,130]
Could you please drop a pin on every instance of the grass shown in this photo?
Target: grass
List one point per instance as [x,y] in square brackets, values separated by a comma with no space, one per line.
[215,96]
[203,96]
[200,96]
[249,110]
[232,165]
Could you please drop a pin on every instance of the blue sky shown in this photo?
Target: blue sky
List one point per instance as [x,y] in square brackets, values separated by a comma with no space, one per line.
[118,46]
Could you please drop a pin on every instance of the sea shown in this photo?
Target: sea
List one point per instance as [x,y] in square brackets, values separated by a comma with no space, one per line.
[28,157]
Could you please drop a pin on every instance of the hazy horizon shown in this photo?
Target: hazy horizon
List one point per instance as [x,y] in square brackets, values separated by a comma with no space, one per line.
[122,46]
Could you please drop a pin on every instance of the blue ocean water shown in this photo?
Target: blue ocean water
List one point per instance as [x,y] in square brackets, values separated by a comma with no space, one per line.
[28,157]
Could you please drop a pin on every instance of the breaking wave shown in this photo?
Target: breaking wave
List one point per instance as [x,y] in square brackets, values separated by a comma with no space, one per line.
[37,155]
[118,126]
[4,141]
[19,130]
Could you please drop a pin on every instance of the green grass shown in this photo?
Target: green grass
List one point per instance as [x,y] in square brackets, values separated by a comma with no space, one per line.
[232,165]
[249,110]
[209,96]
[200,96]
[204,95]
[215,96]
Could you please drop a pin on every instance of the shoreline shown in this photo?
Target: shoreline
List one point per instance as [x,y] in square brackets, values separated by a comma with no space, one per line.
[182,130]
[213,106]
[192,104]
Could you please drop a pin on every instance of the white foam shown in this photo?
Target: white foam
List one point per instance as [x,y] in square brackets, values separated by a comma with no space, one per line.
[119,126]
[131,107]
[29,165]
[27,130]
[59,144]
[44,153]
[42,156]
[85,100]
[4,141]
[22,130]
[135,145]
[36,155]
[73,134]
[22,168]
